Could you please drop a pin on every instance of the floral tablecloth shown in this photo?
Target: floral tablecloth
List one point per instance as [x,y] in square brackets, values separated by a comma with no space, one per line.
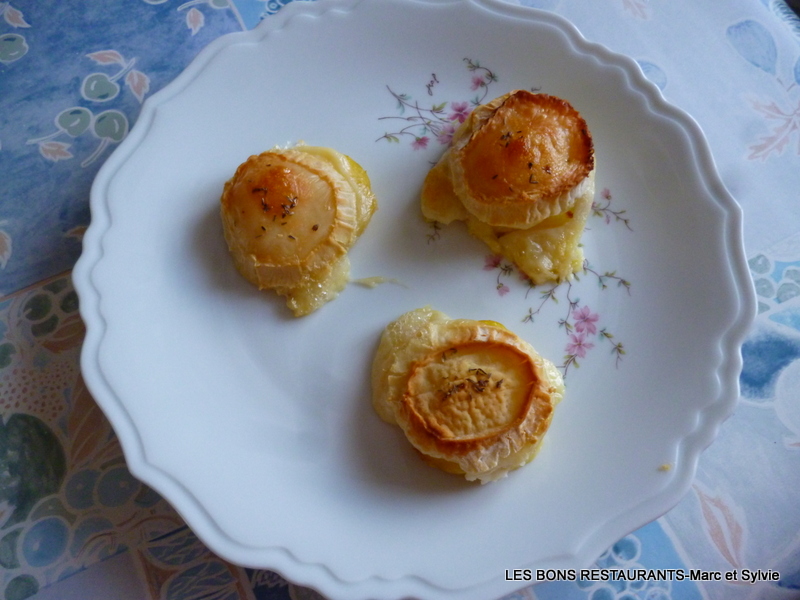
[75,524]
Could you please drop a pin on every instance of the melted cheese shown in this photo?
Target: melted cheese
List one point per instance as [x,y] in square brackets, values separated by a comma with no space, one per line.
[548,251]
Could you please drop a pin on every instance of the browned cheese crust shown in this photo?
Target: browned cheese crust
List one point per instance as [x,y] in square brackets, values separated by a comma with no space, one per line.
[516,157]
[471,396]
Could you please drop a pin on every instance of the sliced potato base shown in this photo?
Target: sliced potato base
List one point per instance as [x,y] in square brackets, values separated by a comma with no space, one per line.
[471,396]
[550,251]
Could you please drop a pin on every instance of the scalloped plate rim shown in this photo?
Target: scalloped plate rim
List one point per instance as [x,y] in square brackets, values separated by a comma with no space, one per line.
[318,575]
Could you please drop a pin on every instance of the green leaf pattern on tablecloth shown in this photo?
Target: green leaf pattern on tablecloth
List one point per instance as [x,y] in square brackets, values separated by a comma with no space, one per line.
[109,126]
[777,284]
[68,501]
[13,46]
[66,498]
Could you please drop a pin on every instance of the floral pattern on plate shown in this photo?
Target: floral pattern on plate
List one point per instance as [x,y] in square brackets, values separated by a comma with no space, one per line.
[420,122]
[579,322]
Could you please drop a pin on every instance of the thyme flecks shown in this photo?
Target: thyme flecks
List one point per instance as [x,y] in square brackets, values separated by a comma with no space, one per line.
[288,209]
[450,352]
[478,384]
[263,191]
[455,387]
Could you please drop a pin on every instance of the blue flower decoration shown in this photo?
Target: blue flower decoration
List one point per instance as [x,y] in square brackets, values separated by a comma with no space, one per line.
[755,43]
[765,355]
[797,71]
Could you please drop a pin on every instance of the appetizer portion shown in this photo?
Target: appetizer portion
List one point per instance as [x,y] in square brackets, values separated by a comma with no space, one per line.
[471,396]
[520,172]
[289,217]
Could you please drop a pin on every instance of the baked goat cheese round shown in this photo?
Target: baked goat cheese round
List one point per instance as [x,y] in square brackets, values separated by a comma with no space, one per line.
[520,172]
[289,217]
[472,397]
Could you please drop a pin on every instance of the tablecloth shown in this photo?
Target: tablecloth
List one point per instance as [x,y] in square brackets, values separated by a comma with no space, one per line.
[75,524]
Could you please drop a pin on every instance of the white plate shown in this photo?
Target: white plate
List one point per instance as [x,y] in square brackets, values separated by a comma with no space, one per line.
[258,427]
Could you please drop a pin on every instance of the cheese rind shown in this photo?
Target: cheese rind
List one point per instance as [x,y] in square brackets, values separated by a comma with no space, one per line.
[472,397]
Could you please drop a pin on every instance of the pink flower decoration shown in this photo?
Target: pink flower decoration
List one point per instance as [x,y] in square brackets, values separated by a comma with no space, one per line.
[420,143]
[445,136]
[578,346]
[460,111]
[492,262]
[606,193]
[477,82]
[585,320]
[502,289]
